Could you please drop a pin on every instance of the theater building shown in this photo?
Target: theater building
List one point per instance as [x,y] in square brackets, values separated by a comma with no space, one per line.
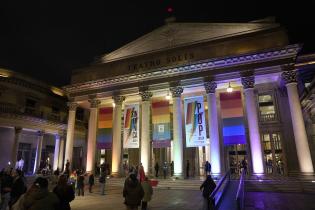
[221,92]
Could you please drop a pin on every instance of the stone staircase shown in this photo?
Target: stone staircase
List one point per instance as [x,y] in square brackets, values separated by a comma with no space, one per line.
[296,184]
[166,184]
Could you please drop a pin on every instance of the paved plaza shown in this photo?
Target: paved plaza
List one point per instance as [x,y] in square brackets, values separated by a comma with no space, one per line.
[162,199]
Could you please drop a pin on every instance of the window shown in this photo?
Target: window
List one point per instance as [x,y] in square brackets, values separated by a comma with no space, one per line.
[79,114]
[30,103]
[55,110]
[266,107]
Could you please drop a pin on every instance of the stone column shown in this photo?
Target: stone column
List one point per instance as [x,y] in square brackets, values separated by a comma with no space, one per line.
[116,148]
[215,156]
[145,130]
[56,153]
[40,137]
[17,136]
[61,152]
[300,137]
[252,121]
[70,132]
[177,131]
[91,147]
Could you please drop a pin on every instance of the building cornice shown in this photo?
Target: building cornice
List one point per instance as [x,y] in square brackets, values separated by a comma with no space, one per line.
[200,66]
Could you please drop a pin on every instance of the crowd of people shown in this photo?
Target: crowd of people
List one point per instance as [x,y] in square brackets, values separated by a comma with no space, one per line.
[15,194]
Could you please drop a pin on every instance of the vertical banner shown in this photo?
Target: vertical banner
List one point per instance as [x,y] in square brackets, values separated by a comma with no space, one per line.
[161,122]
[233,118]
[195,124]
[105,128]
[131,126]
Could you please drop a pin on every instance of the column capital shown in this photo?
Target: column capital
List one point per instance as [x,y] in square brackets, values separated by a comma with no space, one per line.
[146,95]
[289,76]
[210,86]
[176,91]
[94,102]
[248,82]
[119,99]
[18,130]
[72,106]
[40,133]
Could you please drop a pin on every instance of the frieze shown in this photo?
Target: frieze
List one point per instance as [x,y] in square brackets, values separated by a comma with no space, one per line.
[206,65]
[210,86]
[289,76]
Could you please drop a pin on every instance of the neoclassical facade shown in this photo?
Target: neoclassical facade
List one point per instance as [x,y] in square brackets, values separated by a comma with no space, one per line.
[33,124]
[254,61]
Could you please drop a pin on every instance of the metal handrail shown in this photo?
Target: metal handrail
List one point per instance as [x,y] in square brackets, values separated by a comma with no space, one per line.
[240,192]
[218,187]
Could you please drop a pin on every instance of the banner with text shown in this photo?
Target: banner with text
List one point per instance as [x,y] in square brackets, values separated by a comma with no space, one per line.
[232,118]
[131,126]
[161,122]
[105,128]
[195,125]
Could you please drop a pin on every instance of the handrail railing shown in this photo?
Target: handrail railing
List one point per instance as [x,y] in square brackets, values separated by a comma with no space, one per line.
[218,192]
[240,192]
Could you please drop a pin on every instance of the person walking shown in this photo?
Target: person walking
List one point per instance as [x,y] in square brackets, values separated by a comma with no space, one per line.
[165,170]
[64,192]
[141,173]
[156,168]
[91,182]
[207,188]
[148,192]
[102,182]
[132,192]
[80,183]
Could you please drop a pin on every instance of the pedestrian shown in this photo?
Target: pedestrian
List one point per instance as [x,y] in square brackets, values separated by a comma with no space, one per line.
[67,169]
[91,182]
[141,173]
[102,181]
[207,188]
[18,187]
[6,188]
[165,170]
[208,168]
[156,168]
[172,168]
[39,198]
[64,192]
[80,183]
[133,192]
[244,165]
[148,192]
[187,169]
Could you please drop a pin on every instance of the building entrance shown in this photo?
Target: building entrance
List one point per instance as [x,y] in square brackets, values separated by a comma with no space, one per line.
[273,155]
[25,152]
[236,154]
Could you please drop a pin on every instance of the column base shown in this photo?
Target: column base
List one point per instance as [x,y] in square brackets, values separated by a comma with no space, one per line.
[178,176]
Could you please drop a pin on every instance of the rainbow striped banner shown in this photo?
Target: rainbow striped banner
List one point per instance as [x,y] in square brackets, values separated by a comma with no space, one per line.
[161,121]
[131,126]
[195,124]
[233,118]
[105,128]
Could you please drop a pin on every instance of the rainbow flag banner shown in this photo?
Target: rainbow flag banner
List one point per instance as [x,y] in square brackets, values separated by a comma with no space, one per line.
[105,128]
[195,124]
[161,121]
[131,126]
[233,118]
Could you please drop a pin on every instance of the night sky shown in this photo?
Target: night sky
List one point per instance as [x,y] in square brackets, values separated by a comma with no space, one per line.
[47,40]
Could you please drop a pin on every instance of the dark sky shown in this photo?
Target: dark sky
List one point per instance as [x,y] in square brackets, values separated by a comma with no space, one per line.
[48,40]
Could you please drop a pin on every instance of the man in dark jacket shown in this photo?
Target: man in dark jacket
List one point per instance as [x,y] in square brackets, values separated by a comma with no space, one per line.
[207,188]
[18,186]
[64,192]
[133,192]
[39,198]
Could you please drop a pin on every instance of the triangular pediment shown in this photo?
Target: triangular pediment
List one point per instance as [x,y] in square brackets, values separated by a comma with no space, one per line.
[175,35]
